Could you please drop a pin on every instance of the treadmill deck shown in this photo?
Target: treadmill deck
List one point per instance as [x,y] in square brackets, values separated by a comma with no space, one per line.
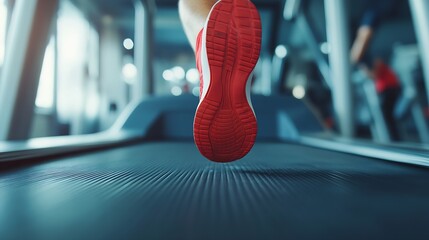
[166,190]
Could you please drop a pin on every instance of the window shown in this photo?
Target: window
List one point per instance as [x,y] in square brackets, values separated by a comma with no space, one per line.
[68,86]
[3,27]
[45,92]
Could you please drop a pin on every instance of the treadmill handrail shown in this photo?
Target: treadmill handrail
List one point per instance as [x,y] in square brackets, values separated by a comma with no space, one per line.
[376,151]
[12,151]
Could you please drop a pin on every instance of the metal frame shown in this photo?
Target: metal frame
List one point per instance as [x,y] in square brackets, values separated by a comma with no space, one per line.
[420,13]
[293,12]
[337,34]
[143,50]
[311,41]
[28,38]
[291,9]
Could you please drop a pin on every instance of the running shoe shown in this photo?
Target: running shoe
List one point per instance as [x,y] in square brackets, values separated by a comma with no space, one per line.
[228,49]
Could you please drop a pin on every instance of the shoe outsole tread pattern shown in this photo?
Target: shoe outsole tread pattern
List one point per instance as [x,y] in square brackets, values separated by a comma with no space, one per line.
[225,126]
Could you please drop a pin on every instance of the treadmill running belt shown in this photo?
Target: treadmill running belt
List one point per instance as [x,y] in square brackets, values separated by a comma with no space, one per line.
[168,191]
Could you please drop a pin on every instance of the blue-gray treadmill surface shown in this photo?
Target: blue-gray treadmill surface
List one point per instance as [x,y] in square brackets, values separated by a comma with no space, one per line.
[166,190]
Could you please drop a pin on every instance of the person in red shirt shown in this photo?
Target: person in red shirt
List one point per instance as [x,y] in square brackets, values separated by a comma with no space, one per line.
[386,82]
[389,90]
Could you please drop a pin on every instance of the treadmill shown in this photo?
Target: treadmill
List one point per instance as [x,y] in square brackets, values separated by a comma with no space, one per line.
[145,179]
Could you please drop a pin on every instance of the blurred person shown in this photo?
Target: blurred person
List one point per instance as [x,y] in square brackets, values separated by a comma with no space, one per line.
[226,38]
[386,82]
[376,11]
[389,90]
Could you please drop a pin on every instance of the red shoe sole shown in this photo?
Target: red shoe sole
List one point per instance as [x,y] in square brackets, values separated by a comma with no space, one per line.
[225,126]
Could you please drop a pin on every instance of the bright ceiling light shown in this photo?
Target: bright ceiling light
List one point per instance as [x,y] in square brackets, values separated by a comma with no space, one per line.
[168,75]
[298,92]
[196,91]
[193,76]
[128,44]
[325,48]
[179,72]
[129,71]
[281,51]
[176,91]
